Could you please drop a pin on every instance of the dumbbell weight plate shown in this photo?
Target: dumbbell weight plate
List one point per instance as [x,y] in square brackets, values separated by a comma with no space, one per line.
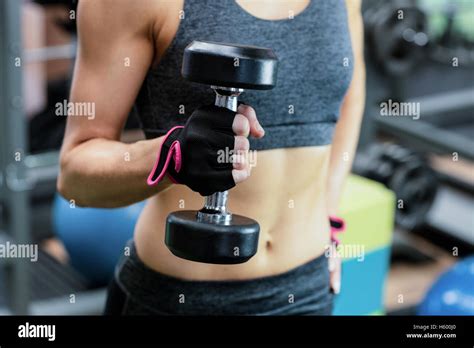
[231,243]
[227,65]
[405,173]
[390,39]
[415,185]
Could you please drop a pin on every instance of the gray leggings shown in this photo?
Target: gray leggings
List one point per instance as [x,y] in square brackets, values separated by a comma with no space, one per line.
[139,290]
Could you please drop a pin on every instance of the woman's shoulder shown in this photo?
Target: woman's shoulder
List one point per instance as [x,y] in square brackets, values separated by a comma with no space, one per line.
[125,15]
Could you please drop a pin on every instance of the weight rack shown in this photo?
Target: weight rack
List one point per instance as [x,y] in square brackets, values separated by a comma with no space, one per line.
[21,179]
[14,191]
[430,133]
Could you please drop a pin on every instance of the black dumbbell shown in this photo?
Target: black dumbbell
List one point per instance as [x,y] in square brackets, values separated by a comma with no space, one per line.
[213,234]
[406,173]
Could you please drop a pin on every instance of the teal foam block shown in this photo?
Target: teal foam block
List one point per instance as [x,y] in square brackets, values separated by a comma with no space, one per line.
[363,284]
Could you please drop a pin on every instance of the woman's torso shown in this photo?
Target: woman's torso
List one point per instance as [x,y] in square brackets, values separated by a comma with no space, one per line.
[286,191]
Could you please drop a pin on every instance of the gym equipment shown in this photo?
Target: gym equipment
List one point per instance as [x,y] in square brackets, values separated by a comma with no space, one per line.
[397,35]
[68,24]
[213,234]
[84,230]
[367,208]
[452,293]
[407,174]
[48,278]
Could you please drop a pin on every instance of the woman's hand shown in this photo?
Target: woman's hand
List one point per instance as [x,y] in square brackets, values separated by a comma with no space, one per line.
[335,266]
[245,124]
[210,152]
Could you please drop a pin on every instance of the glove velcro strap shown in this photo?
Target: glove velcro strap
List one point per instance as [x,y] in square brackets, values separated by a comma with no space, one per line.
[170,150]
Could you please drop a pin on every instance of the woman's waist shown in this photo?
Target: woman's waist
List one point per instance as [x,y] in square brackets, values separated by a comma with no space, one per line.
[288,238]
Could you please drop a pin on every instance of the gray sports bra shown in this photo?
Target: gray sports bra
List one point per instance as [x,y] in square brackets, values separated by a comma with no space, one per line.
[315,69]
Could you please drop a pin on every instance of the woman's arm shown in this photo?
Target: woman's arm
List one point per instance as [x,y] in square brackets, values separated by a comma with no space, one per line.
[347,130]
[116,49]
[114,54]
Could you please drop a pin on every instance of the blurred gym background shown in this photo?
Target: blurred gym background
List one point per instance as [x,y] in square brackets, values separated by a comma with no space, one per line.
[409,202]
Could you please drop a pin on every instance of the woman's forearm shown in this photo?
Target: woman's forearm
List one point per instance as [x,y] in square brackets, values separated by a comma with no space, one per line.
[107,173]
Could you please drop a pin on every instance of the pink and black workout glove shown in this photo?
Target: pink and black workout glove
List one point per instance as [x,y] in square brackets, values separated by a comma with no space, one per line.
[190,154]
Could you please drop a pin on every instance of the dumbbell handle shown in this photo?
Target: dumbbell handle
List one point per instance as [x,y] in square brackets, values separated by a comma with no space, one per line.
[215,205]
[228,100]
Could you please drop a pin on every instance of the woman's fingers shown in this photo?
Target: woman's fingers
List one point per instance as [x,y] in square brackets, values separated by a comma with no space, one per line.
[241,144]
[245,124]
[240,155]
[255,128]
[240,175]
[334,271]
[241,125]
